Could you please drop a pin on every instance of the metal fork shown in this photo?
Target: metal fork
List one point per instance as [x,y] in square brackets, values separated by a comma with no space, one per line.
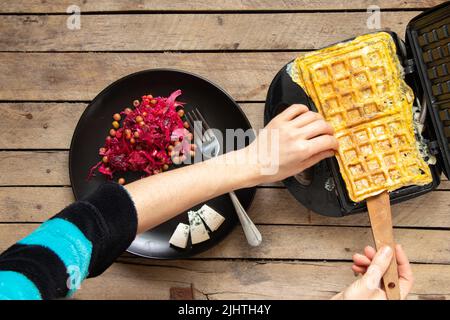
[209,146]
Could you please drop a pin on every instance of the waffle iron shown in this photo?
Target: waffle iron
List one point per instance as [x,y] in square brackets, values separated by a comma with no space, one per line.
[425,56]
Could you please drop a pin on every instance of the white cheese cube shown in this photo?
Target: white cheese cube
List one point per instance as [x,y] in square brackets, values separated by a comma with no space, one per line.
[198,230]
[211,217]
[180,236]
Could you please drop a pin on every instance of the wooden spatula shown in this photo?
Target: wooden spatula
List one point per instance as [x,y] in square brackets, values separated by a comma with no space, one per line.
[379,208]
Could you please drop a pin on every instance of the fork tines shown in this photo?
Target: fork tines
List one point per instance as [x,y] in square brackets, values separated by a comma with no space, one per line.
[202,132]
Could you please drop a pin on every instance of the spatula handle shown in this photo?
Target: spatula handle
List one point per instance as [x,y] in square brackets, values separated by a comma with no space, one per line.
[379,208]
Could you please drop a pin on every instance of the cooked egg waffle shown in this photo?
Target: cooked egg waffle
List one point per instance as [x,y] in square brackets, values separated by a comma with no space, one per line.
[358,87]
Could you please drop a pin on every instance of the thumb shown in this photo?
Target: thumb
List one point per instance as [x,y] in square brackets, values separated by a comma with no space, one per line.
[317,157]
[368,287]
[377,268]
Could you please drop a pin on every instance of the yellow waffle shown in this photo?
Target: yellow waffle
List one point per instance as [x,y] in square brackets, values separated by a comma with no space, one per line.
[359,88]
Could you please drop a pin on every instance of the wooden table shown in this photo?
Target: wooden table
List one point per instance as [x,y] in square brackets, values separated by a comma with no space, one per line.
[50,73]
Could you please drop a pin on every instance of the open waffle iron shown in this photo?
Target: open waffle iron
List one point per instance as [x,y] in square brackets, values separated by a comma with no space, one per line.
[425,57]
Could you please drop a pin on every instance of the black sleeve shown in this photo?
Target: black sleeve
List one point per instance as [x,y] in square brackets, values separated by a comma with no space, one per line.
[95,230]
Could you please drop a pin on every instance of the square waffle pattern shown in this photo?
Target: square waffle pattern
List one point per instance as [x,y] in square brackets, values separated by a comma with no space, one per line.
[358,87]
[434,41]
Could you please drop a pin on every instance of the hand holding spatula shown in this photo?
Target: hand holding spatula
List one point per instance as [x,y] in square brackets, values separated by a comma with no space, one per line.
[380,218]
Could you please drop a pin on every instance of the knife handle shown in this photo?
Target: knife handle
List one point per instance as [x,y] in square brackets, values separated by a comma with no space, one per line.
[379,208]
[252,233]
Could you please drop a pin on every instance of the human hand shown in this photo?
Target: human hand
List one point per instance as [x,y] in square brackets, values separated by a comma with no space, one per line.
[293,141]
[372,265]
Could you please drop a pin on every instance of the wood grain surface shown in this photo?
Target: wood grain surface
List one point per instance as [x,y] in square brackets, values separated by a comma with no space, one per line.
[50,73]
[60,6]
[162,32]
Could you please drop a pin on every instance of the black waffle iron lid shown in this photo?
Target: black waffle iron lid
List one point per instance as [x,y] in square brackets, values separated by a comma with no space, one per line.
[428,37]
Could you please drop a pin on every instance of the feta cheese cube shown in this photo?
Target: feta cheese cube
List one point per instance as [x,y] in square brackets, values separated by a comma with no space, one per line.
[180,236]
[198,230]
[211,217]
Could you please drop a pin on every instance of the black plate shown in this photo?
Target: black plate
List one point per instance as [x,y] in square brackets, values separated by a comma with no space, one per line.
[218,108]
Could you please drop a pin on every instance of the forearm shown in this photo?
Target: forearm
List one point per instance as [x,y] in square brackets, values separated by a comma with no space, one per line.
[160,197]
[90,234]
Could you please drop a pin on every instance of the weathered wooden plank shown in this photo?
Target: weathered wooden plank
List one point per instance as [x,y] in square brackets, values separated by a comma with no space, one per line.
[60,6]
[51,125]
[246,76]
[37,168]
[445,185]
[81,76]
[327,243]
[271,206]
[34,168]
[245,280]
[277,206]
[38,125]
[32,204]
[190,31]
[295,242]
